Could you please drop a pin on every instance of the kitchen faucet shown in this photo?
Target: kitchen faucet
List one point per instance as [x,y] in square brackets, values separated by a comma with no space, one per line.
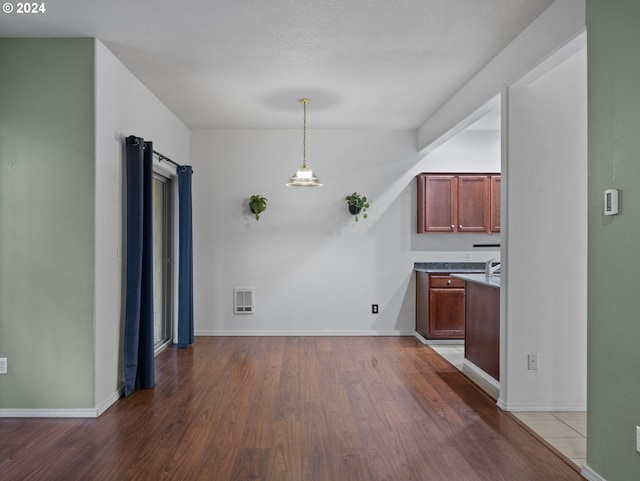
[493,266]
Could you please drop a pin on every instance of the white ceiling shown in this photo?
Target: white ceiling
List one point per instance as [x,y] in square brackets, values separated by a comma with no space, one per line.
[245,63]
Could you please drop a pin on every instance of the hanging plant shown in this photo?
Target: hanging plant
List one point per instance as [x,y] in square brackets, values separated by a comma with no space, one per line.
[357,204]
[257,205]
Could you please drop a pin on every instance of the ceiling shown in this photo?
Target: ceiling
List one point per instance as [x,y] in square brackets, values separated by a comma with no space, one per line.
[245,63]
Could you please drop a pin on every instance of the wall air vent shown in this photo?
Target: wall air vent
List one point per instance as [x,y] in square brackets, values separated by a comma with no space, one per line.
[244,300]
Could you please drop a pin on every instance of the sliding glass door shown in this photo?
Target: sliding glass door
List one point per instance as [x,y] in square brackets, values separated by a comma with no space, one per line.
[162,251]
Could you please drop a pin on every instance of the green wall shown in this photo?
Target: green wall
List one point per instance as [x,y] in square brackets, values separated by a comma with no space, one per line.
[613,346]
[46,222]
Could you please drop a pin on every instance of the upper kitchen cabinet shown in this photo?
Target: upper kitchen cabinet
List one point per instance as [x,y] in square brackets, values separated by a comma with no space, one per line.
[437,203]
[495,204]
[455,203]
[473,203]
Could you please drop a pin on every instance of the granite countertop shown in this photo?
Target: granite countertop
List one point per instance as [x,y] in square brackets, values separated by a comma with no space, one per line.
[449,267]
[485,280]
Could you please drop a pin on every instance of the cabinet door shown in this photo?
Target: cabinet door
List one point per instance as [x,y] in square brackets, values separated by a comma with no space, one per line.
[473,203]
[446,313]
[437,203]
[495,203]
[482,340]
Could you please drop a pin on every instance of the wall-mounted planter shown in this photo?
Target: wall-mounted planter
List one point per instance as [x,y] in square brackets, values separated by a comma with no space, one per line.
[257,205]
[357,204]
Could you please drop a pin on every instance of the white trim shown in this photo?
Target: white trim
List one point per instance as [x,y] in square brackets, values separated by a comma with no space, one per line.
[437,342]
[419,337]
[110,401]
[444,342]
[590,475]
[64,413]
[49,413]
[476,370]
[303,333]
[504,247]
[542,407]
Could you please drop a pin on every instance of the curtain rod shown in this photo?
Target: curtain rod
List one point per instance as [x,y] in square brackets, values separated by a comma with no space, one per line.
[134,140]
[164,157]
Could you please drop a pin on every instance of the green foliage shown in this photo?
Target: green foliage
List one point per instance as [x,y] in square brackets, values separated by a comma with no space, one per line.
[257,205]
[357,203]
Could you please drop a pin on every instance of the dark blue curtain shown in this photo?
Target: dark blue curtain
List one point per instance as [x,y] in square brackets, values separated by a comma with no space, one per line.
[138,326]
[185,258]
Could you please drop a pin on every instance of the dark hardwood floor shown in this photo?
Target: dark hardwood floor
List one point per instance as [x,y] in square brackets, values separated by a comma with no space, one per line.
[289,409]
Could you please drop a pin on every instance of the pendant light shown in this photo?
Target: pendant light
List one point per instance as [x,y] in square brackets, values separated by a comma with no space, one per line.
[304,176]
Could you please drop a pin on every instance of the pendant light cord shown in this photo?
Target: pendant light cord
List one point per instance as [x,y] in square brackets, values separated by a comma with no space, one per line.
[304,102]
[304,176]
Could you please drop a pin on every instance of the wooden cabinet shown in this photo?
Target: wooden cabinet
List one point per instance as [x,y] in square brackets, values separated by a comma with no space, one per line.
[495,204]
[440,311]
[482,337]
[437,203]
[473,203]
[458,203]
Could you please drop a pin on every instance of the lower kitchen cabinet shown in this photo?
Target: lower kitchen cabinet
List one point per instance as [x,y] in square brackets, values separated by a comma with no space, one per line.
[482,340]
[440,311]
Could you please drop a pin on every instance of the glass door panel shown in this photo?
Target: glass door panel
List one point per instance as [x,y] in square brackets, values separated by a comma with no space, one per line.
[162,291]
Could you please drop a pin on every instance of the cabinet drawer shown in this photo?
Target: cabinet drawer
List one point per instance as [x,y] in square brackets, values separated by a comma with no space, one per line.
[445,281]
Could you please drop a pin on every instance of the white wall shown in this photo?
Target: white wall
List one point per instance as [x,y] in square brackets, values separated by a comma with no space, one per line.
[314,269]
[544,265]
[468,151]
[123,107]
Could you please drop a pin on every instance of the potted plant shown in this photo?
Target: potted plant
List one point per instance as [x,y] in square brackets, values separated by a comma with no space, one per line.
[357,203]
[257,205]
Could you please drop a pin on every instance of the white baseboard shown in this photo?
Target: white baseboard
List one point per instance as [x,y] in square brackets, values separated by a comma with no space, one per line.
[49,413]
[303,333]
[110,401]
[63,413]
[590,475]
[419,337]
[541,407]
[436,342]
[441,342]
[479,372]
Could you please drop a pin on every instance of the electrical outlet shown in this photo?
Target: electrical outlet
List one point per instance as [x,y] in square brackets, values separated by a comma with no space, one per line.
[638,438]
[533,362]
[374,308]
[3,365]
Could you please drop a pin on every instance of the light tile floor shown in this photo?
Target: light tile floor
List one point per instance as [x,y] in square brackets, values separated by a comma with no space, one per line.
[565,431]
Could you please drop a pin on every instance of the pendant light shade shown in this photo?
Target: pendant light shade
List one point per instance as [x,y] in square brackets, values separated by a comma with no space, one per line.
[304,176]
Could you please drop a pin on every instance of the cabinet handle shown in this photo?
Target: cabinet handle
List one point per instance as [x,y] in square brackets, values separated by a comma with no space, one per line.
[452,226]
[460,226]
[449,281]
